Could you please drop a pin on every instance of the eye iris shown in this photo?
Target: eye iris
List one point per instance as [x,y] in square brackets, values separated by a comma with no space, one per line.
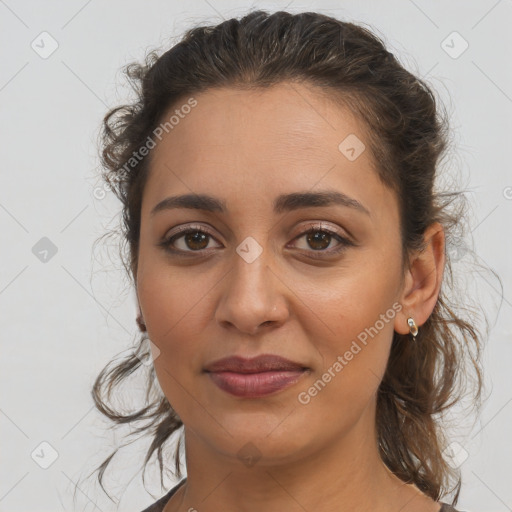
[196,237]
[319,236]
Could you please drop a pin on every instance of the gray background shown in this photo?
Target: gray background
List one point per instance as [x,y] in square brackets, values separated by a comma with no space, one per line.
[64,315]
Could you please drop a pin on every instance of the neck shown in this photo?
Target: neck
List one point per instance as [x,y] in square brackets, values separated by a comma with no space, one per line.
[345,474]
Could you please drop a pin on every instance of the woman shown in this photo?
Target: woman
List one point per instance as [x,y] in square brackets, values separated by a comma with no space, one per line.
[288,250]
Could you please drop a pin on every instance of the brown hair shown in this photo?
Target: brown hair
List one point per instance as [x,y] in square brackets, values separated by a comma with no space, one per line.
[407,135]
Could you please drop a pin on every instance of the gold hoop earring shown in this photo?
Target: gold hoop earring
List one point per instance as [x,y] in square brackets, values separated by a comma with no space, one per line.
[413,328]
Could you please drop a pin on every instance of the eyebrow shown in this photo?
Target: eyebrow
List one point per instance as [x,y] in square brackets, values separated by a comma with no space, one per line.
[283,203]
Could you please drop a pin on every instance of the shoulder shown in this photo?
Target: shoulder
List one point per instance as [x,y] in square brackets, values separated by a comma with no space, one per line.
[159,505]
[448,508]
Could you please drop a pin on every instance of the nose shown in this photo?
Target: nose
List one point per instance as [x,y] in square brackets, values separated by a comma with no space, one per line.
[253,297]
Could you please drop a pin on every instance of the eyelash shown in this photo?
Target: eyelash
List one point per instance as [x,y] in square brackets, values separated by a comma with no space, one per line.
[343,242]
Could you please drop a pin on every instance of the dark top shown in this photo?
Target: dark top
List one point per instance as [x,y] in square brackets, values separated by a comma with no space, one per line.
[159,505]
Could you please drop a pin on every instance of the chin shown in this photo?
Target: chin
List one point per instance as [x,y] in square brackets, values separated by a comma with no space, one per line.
[258,440]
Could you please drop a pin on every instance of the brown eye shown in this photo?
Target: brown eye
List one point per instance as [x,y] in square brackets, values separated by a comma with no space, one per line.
[188,240]
[318,239]
[196,240]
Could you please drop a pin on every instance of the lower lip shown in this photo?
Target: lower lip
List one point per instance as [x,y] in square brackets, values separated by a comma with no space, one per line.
[254,385]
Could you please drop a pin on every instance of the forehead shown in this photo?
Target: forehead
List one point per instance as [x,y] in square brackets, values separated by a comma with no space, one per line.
[265,141]
[294,118]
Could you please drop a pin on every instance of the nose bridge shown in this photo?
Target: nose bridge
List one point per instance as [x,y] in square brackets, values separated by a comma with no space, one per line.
[251,294]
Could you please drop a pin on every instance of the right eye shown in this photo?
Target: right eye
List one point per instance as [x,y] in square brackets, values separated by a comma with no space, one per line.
[195,240]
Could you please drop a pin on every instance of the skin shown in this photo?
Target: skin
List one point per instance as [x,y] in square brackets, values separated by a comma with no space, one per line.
[246,148]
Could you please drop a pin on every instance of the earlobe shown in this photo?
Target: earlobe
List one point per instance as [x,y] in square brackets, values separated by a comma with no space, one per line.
[423,280]
[140,318]
[140,323]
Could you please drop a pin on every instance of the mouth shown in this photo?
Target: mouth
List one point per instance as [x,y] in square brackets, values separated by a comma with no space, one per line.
[257,377]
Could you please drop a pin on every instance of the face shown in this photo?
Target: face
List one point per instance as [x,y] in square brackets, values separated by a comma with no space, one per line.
[248,279]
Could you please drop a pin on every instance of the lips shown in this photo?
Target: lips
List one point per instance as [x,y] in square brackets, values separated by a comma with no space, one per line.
[256,377]
[263,363]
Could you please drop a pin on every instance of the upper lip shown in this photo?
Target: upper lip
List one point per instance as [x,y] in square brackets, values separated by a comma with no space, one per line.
[263,363]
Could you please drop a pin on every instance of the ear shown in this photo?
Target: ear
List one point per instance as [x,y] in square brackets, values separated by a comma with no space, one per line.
[422,281]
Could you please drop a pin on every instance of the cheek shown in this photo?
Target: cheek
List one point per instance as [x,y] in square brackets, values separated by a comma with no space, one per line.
[355,357]
[358,312]
[171,301]
[358,303]
[339,392]
[174,310]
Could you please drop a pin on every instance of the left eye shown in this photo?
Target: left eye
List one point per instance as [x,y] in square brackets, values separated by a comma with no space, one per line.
[197,240]
[320,239]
